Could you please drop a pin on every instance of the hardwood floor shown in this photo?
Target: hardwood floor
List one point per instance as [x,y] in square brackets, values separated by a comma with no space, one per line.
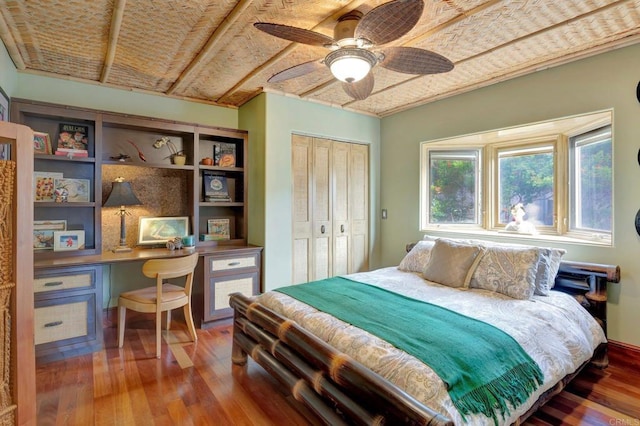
[196,384]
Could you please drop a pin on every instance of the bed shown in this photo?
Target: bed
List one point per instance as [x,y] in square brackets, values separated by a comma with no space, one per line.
[348,375]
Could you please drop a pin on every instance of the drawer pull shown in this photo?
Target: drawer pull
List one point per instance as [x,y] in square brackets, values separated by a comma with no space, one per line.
[53,283]
[53,324]
[233,263]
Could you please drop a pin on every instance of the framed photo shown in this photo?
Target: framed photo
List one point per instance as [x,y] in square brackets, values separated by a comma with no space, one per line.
[43,233]
[68,240]
[41,143]
[219,228]
[71,190]
[159,230]
[44,186]
[4,106]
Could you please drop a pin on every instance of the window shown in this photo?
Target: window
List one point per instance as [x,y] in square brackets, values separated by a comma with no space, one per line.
[554,177]
[453,187]
[591,176]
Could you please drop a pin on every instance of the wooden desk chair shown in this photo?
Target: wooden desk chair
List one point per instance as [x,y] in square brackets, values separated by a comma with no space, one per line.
[171,296]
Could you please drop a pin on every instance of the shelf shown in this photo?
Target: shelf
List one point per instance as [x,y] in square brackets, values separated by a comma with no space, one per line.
[152,165]
[222,169]
[221,204]
[64,158]
[65,205]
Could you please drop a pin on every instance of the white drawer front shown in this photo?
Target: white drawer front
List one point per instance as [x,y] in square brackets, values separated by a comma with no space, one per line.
[233,263]
[62,282]
[60,322]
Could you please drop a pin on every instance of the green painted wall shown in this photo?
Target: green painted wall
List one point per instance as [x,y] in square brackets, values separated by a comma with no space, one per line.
[283,116]
[605,81]
[8,73]
[67,92]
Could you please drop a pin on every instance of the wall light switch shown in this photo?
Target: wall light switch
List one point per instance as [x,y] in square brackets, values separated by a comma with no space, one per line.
[384,213]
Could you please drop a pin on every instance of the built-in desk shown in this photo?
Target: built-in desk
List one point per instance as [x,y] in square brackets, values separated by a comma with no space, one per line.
[68,293]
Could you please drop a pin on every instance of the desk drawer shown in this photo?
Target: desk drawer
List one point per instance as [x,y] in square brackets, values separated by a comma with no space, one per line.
[61,322]
[217,264]
[63,282]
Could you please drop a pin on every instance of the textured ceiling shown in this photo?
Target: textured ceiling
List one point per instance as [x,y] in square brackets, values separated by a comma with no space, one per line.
[208,50]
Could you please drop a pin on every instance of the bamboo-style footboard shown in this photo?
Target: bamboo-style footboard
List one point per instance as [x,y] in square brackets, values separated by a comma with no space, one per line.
[339,390]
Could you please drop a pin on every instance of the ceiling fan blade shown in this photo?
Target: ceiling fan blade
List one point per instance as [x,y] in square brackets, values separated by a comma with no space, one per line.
[411,60]
[297,71]
[299,35]
[389,21]
[361,89]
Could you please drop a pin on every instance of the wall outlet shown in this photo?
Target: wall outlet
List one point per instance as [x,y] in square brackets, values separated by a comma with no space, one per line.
[384,213]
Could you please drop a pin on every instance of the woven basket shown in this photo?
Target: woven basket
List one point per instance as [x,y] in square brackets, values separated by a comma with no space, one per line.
[7,177]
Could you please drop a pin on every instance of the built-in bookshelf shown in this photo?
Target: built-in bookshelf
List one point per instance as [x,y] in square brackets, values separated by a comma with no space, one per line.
[138,148]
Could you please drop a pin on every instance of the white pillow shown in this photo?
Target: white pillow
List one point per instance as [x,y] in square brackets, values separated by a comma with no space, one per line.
[452,263]
[508,270]
[417,258]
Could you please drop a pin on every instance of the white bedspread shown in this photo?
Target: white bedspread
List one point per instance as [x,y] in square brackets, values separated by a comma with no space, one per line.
[555,331]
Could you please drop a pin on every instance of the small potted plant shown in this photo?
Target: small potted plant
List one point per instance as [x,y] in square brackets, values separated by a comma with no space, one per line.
[177,156]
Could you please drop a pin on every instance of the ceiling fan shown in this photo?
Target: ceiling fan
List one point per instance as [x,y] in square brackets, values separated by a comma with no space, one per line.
[354,47]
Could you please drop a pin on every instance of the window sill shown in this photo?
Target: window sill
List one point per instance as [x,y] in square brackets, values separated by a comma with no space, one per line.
[515,237]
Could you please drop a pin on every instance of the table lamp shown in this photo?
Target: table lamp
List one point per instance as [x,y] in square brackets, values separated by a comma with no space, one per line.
[122,195]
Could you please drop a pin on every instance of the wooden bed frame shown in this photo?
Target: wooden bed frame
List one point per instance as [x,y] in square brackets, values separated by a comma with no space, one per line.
[339,390]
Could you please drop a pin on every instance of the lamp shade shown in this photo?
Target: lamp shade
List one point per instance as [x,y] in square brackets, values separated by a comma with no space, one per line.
[350,64]
[121,195]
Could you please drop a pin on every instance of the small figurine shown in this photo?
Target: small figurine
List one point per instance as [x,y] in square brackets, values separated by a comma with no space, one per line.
[518,224]
[140,154]
[174,244]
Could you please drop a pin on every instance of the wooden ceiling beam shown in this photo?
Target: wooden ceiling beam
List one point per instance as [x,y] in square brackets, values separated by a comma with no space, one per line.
[9,41]
[114,33]
[210,47]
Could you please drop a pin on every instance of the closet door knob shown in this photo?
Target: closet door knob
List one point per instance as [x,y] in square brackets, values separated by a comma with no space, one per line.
[322,229]
[341,228]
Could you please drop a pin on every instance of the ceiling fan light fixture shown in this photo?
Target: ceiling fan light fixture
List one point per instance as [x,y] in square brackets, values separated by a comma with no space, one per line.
[350,64]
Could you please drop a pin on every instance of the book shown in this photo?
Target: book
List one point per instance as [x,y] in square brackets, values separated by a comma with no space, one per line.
[73,136]
[224,154]
[72,153]
[214,187]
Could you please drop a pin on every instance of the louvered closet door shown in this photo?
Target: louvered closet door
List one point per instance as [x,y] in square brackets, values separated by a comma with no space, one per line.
[322,209]
[359,208]
[301,164]
[340,156]
[330,208]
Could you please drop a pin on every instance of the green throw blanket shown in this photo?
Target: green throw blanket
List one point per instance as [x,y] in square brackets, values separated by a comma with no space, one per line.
[483,367]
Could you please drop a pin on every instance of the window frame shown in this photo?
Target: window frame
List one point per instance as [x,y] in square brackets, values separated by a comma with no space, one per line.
[555,134]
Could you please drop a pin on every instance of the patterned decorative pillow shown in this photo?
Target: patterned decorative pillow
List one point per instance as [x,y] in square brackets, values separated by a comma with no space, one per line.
[554,264]
[417,258]
[508,270]
[452,263]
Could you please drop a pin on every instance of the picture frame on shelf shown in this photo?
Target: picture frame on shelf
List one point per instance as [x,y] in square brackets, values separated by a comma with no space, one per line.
[159,230]
[42,143]
[68,240]
[69,190]
[218,228]
[43,233]
[44,186]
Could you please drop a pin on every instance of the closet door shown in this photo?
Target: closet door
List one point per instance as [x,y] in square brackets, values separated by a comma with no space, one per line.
[359,208]
[340,156]
[322,230]
[301,164]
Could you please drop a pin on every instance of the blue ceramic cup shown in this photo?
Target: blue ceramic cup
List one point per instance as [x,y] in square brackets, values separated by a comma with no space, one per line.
[188,241]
